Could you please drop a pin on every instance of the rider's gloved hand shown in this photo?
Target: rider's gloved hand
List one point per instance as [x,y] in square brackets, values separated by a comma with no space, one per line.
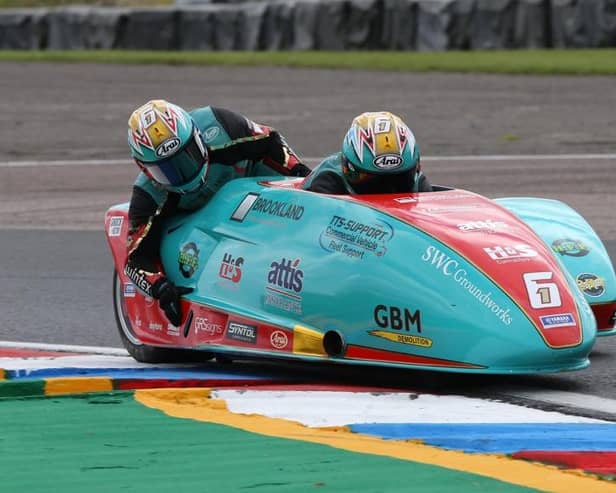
[168,296]
[300,169]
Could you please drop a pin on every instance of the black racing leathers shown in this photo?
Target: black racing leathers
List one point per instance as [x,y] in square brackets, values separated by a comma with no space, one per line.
[237,147]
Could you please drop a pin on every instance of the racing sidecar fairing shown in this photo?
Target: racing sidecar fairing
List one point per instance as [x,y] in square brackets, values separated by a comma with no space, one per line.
[446,280]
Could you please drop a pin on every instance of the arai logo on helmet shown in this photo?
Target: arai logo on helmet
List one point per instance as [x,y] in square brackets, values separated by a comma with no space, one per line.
[169,146]
[388,161]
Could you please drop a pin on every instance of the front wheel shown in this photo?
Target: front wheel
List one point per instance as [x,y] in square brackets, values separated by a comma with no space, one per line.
[142,352]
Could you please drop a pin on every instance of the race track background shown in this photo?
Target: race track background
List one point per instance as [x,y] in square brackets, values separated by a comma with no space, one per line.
[63,161]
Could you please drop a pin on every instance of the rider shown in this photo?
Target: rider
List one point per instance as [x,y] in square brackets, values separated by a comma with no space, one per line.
[185,158]
[379,155]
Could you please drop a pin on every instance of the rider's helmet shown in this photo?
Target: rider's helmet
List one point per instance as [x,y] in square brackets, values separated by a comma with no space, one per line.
[167,146]
[379,154]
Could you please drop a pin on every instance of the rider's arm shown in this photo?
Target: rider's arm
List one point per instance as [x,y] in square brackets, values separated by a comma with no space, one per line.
[143,243]
[250,140]
[328,182]
[423,184]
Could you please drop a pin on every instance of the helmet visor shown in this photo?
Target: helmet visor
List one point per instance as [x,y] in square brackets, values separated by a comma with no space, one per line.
[372,183]
[182,167]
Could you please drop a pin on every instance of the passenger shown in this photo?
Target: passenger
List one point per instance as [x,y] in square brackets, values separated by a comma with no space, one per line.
[185,158]
[379,155]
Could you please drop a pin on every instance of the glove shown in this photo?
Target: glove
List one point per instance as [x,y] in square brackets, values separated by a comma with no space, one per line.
[300,170]
[168,296]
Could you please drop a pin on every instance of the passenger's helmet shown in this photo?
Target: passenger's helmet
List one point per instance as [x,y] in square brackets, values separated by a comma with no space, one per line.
[379,154]
[167,145]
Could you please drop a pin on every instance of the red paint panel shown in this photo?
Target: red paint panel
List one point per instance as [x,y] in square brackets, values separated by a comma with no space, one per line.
[603,313]
[32,353]
[498,244]
[596,462]
[379,355]
[132,384]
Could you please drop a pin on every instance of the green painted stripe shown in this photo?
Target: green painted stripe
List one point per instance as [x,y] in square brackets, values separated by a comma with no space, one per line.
[21,388]
[102,443]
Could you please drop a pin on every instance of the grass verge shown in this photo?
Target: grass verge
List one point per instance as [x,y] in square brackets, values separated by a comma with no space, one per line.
[537,62]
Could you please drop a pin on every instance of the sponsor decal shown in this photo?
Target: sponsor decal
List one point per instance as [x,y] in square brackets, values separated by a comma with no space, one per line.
[278,339]
[542,292]
[591,284]
[506,254]
[115,225]
[571,248]
[285,282]
[155,326]
[405,200]
[278,208]
[449,267]
[172,330]
[412,340]
[354,238]
[560,320]
[451,196]
[168,147]
[188,259]
[138,322]
[394,318]
[211,133]
[241,211]
[230,268]
[484,226]
[129,290]
[388,161]
[203,325]
[452,208]
[242,332]
[139,279]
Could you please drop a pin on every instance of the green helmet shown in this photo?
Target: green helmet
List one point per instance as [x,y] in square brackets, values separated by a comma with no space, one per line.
[167,145]
[379,154]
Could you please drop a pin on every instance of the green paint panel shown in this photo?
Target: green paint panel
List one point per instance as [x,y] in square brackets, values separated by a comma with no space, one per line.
[109,442]
[27,388]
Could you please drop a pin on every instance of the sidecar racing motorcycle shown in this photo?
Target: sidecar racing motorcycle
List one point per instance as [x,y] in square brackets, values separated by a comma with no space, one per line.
[447,280]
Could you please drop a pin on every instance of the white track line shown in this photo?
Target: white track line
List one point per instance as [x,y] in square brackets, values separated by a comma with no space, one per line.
[64,348]
[571,399]
[495,157]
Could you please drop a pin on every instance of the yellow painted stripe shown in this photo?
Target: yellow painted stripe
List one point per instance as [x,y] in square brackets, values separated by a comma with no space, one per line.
[307,341]
[2,374]
[195,404]
[75,385]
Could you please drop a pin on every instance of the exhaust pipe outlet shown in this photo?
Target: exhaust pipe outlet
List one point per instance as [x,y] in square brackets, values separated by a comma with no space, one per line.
[333,343]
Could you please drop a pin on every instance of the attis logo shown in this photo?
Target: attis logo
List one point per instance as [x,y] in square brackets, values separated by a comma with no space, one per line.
[230,268]
[279,339]
[388,161]
[286,274]
[169,146]
[285,282]
[487,225]
[188,259]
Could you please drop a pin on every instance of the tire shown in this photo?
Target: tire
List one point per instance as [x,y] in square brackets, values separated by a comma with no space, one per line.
[142,352]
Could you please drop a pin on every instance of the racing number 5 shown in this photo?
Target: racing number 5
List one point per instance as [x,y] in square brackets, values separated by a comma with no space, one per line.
[541,292]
